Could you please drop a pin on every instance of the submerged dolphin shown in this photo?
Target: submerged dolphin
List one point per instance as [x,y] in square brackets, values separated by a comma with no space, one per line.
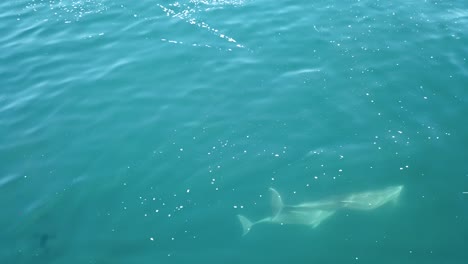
[368,200]
[289,214]
[372,199]
[313,213]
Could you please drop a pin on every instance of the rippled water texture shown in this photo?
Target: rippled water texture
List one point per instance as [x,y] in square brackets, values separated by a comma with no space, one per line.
[136,131]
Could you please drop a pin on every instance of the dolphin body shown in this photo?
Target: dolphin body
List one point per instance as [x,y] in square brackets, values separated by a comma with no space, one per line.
[313,213]
[368,200]
[372,199]
[300,214]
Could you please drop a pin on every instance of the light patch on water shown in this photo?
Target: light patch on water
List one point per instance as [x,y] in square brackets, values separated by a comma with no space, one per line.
[217,2]
[187,12]
[67,11]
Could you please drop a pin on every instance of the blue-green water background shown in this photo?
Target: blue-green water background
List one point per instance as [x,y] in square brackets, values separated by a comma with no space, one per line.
[135,131]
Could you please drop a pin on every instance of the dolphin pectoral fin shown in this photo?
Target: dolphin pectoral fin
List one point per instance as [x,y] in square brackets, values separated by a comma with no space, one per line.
[246,224]
[276,202]
[345,203]
[314,224]
[395,201]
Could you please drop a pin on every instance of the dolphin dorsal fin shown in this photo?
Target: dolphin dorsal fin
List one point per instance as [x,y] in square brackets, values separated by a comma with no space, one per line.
[276,202]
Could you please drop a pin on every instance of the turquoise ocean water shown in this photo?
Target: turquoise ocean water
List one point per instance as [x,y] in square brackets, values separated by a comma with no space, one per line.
[136,131]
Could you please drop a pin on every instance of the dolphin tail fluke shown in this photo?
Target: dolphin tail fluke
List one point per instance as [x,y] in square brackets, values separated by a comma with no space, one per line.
[246,224]
[276,202]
